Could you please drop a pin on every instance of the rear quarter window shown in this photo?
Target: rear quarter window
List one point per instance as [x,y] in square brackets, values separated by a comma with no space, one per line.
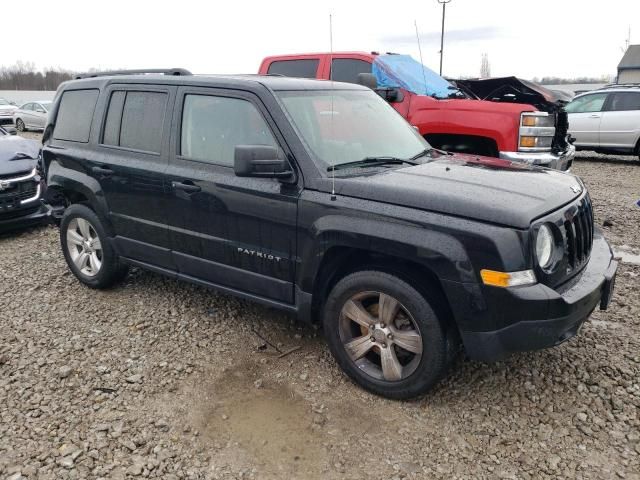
[75,114]
[304,68]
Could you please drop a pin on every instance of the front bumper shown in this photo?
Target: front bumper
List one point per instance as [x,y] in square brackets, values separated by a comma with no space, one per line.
[536,316]
[23,218]
[561,161]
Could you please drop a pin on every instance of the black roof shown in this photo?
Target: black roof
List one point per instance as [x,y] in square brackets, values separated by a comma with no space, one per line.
[631,58]
[272,82]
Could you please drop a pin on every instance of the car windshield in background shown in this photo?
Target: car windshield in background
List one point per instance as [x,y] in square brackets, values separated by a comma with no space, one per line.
[4,102]
[402,71]
[46,105]
[346,126]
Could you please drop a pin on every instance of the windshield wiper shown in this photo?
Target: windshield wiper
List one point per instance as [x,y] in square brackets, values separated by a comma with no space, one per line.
[423,153]
[371,162]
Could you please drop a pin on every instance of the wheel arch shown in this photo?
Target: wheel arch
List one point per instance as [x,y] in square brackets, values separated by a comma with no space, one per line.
[72,187]
[340,261]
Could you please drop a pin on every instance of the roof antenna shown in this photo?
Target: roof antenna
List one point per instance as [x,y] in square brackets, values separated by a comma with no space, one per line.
[333,169]
[424,77]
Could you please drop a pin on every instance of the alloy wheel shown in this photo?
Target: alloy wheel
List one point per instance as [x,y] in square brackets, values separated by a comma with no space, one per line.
[380,336]
[84,246]
[20,125]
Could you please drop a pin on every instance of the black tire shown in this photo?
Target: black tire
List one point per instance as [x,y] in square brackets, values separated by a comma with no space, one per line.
[111,269]
[20,126]
[433,361]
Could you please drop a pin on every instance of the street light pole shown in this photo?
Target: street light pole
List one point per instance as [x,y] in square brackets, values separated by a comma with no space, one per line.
[444,7]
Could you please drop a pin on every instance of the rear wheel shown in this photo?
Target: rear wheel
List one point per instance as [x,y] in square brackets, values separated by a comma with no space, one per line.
[87,249]
[385,335]
[20,126]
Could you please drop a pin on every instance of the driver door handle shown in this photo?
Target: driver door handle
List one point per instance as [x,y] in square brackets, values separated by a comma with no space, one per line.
[185,187]
[595,115]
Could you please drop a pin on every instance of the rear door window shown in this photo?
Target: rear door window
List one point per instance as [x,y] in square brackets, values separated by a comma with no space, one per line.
[135,120]
[303,68]
[624,101]
[348,69]
[75,114]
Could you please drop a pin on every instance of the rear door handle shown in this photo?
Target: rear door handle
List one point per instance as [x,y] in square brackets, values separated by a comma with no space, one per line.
[105,172]
[186,187]
[595,115]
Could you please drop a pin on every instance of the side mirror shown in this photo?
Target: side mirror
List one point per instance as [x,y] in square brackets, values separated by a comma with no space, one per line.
[368,80]
[12,103]
[260,161]
[391,95]
[11,130]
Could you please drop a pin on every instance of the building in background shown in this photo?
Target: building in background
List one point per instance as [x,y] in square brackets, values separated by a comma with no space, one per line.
[629,66]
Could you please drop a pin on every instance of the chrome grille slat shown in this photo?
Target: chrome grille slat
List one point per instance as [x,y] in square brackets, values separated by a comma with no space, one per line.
[579,234]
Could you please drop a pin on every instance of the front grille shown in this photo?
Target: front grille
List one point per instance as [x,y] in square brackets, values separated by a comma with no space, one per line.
[9,176]
[574,228]
[12,195]
[579,233]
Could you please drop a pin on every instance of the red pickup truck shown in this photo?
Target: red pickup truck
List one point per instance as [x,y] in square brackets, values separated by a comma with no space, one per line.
[507,117]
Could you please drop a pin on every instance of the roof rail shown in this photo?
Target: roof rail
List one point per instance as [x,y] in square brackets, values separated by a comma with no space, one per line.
[108,73]
[621,85]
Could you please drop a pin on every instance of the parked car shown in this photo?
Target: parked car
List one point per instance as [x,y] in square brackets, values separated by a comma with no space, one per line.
[607,120]
[507,117]
[6,111]
[31,115]
[317,198]
[20,182]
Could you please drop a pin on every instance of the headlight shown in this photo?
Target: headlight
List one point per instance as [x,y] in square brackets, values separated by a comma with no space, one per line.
[544,246]
[537,130]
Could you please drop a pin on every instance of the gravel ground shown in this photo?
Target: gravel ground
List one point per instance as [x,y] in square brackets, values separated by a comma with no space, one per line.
[161,379]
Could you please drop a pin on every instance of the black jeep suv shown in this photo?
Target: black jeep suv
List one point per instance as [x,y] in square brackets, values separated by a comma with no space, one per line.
[319,199]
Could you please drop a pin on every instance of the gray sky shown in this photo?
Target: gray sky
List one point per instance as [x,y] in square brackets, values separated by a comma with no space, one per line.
[525,38]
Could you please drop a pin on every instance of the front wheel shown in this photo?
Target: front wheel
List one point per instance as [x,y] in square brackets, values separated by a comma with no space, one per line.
[20,126]
[385,335]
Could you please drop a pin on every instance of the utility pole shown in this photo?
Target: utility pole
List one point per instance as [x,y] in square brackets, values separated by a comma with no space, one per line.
[444,8]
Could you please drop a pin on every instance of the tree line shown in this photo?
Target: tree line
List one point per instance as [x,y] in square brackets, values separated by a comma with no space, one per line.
[25,76]
[566,81]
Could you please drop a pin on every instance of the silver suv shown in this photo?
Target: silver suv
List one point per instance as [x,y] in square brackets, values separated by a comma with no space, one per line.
[607,120]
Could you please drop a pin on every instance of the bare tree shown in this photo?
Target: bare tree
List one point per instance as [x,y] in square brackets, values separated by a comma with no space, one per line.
[25,76]
[485,67]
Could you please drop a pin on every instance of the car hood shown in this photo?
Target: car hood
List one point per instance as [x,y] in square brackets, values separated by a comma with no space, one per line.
[17,154]
[486,189]
[514,90]
[8,107]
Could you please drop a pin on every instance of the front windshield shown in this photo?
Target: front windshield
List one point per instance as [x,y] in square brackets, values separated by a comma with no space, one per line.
[4,102]
[402,71]
[46,105]
[361,126]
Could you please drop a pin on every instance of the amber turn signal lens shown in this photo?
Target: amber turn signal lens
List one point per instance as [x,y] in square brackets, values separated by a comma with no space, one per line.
[529,121]
[507,279]
[497,279]
[527,141]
